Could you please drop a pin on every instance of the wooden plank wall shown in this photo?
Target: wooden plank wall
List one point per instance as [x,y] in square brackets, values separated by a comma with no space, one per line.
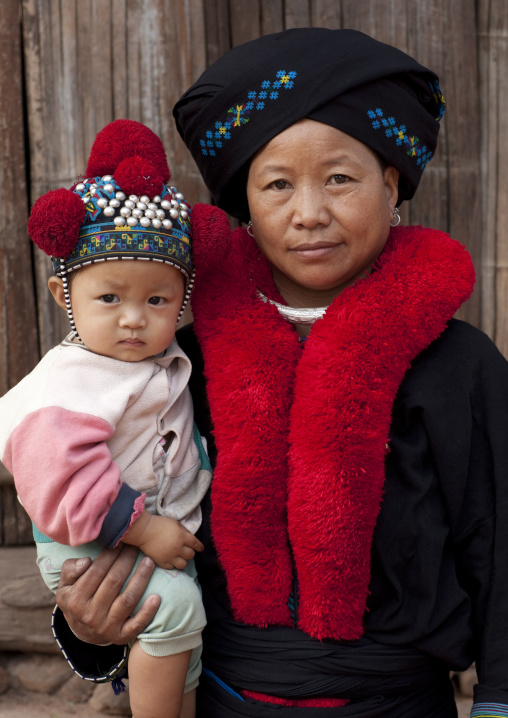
[18,319]
[68,67]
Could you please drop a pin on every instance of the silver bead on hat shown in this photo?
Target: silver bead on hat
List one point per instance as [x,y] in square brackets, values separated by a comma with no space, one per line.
[135,211]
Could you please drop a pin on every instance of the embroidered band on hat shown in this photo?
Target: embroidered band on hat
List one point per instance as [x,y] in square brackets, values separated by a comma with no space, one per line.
[120,226]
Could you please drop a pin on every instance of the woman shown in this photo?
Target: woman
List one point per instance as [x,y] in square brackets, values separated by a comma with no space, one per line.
[355,532]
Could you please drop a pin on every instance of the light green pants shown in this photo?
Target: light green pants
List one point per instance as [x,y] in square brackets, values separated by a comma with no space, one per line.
[177,625]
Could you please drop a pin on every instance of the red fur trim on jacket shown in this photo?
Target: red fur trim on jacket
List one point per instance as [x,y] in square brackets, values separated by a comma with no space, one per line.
[301,436]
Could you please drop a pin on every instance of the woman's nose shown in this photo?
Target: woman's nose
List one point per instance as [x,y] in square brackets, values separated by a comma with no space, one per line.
[310,209]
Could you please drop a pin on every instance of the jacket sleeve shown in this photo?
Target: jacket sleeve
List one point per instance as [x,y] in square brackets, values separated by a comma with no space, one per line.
[484,535]
[485,547]
[65,476]
[55,427]
[473,466]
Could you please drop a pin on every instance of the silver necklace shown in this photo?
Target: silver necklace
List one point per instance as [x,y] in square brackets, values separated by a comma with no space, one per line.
[296,315]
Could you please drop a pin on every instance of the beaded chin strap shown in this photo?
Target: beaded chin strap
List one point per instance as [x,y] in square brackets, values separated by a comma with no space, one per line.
[188,292]
[65,282]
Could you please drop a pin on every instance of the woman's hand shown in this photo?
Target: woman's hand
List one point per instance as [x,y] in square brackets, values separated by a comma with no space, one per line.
[89,596]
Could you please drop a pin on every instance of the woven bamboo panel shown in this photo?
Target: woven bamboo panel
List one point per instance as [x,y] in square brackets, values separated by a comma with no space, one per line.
[492,182]
[18,319]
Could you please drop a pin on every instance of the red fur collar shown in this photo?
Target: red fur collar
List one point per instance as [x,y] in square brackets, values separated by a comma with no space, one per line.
[302,434]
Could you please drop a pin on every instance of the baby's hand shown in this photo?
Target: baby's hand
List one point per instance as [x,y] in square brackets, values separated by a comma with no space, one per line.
[165,540]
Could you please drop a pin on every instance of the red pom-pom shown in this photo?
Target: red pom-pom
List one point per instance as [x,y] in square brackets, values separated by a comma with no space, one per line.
[126,138]
[136,175]
[55,221]
[211,236]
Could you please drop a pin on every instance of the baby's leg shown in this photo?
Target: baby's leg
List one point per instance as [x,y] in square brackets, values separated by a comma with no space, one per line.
[165,661]
[189,705]
[169,642]
[51,556]
[156,683]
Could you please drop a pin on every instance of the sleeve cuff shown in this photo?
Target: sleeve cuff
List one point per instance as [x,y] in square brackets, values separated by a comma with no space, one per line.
[489,710]
[489,702]
[119,517]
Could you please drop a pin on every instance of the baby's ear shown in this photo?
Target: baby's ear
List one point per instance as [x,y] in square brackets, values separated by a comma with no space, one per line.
[55,286]
[211,236]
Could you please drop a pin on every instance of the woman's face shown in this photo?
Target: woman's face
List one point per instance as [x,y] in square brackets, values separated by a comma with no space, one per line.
[320,206]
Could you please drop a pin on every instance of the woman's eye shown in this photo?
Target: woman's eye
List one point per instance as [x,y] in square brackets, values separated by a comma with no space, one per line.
[155,300]
[338,179]
[109,298]
[279,184]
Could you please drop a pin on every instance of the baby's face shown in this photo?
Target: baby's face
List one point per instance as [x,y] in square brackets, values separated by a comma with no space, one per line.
[127,309]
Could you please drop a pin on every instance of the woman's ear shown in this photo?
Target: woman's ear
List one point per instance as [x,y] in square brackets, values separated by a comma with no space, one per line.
[55,286]
[391,177]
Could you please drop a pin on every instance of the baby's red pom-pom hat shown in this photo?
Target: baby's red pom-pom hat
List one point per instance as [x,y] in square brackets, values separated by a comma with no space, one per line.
[123,210]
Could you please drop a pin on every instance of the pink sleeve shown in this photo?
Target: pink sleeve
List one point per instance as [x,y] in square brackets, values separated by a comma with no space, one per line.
[64,473]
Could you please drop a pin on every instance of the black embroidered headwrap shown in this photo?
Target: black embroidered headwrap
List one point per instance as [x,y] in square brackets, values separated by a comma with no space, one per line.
[344,78]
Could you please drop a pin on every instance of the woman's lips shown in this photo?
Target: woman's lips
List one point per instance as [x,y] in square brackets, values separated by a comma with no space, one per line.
[315,250]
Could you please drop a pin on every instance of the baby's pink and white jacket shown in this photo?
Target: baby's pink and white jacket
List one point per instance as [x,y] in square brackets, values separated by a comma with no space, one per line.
[82,434]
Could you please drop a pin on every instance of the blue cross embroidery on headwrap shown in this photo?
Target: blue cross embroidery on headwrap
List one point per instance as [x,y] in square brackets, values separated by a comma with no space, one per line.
[238,115]
[414,149]
[435,88]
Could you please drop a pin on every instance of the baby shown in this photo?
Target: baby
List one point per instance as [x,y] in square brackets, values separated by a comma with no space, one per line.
[100,436]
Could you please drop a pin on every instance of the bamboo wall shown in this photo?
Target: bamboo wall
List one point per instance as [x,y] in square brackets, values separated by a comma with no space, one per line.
[68,67]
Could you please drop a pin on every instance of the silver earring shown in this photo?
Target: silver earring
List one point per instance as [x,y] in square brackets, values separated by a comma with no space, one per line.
[395,221]
[250,230]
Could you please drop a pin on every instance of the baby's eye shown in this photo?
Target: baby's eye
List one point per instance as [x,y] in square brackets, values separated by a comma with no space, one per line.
[109,298]
[338,179]
[155,300]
